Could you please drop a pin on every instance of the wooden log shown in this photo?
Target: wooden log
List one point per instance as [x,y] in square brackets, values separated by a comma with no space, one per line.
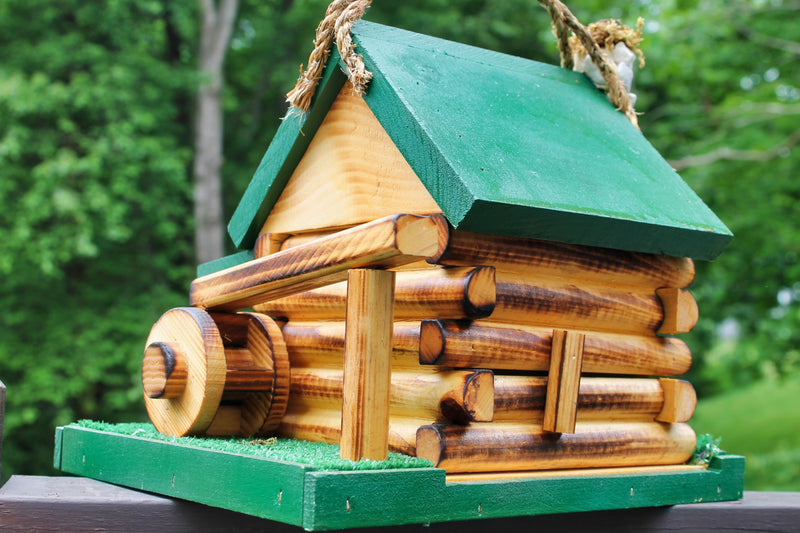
[525,348]
[367,364]
[680,401]
[384,243]
[316,344]
[567,262]
[563,381]
[680,311]
[324,425]
[460,292]
[524,299]
[500,447]
[521,398]
[456,395]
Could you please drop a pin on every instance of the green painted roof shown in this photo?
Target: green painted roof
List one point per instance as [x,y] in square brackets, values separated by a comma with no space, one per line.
[505,146]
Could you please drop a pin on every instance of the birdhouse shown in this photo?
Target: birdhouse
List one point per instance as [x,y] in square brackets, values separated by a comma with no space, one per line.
[479,261]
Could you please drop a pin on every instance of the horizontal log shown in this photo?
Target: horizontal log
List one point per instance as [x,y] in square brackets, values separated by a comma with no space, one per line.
[324,425]
[457,395]
[522,398]
[524,299]
[385,243]
[568,262]
[525,348]
[315,344]
[499,447]
[459,292]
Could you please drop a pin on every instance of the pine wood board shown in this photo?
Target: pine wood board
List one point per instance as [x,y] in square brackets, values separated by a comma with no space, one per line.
[316,500]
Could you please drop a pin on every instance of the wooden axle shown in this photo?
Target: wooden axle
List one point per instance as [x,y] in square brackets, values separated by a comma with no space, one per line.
[567,262]
[474,345]
[499,447]
[194,362]
[383,243]
[519,398]
[459,292]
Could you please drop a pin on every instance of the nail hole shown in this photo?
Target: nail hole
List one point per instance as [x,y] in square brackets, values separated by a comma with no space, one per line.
[280,497]
[347,505]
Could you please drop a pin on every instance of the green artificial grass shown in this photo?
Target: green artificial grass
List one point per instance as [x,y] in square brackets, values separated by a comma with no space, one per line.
[319,455]
[761,422]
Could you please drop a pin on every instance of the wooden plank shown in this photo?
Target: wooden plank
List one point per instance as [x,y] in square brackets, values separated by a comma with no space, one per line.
[367,365]
[380,498]
[284,152]
[512,347]
[457,395]
[563,381]
[524,299]
[220,479]
[520,398]
[37,503]
[460,292]
[78,505]
[499,447]
[568,263]
[547,176]
[680,311]
[387,242]
[352,164]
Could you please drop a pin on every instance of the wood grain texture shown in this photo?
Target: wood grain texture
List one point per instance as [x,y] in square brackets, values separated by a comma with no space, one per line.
[524,348]
[507,447]
[164,370]
[201,344]
[317,500]
[78,504]
[324,425]
[680,311]
[680,401]
[291,141]
[617,399]
[351,163]
[563,381]
[523,299]
[456,395]
[568,263]
[387,242]
[459,292]
[321,344]
[367,364]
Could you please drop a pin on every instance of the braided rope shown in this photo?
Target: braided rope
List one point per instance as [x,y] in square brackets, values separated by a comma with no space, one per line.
[334,27]
[562,18]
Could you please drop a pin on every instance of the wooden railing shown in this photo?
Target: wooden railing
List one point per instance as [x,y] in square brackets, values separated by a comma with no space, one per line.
[32,503]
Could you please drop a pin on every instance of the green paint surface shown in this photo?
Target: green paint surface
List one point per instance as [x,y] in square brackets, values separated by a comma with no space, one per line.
[335,499]
[515,147]
[505,146]
[222,263]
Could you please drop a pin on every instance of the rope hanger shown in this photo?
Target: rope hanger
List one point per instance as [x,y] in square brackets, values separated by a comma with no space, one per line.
[598,42]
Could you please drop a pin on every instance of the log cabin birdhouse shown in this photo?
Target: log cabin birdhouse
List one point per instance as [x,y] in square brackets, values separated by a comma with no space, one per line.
[478,261]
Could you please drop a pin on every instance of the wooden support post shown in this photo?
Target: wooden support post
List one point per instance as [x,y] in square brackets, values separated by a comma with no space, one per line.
[367,364]
[563,382]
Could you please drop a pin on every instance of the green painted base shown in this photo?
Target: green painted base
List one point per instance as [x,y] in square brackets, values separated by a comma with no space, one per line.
[324,499]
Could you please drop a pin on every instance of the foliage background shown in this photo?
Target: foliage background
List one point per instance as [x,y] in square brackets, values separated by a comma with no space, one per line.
[96,118]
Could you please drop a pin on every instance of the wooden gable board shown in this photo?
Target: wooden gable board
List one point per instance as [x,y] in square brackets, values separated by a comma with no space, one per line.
[509,146]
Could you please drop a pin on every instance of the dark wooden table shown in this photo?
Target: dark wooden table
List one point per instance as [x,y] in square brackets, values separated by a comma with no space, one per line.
[35,503]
